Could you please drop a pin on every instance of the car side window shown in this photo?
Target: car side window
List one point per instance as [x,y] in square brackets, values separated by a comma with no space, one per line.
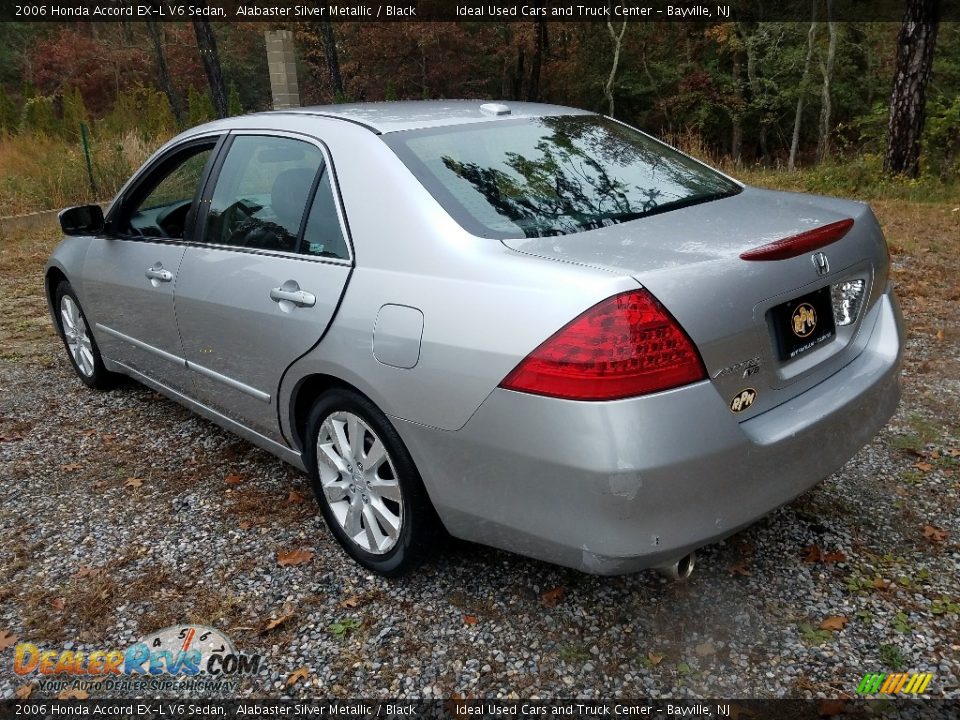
[323,236]
[261,193]
[166,196]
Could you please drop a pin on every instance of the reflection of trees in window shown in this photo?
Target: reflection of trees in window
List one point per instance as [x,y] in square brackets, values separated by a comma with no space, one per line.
[576,178]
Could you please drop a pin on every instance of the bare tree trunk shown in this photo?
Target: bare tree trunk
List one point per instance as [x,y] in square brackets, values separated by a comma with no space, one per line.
[617,38]
[908,100]
[539,48]
[166,82]
[207,44]
[517,89]
[333,60]
[804,85]
[826,69]
[736,133]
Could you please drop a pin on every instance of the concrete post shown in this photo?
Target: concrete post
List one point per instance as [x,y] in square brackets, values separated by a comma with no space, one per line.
[282,61]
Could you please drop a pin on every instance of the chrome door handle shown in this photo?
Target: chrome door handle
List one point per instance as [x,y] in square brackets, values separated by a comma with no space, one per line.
[300,298]
[159,274]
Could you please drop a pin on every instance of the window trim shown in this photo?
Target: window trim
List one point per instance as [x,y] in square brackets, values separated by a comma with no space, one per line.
[211,183]
[130,193]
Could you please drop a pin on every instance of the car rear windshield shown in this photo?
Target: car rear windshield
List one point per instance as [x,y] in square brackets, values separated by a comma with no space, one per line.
[553,175]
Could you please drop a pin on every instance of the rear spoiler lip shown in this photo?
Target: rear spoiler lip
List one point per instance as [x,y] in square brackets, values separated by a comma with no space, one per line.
[806,241]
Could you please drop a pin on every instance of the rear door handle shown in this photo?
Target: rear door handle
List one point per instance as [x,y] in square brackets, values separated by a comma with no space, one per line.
[300,298]
[159,274]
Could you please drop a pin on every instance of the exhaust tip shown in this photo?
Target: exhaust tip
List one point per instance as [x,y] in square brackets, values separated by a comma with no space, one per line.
[680,570]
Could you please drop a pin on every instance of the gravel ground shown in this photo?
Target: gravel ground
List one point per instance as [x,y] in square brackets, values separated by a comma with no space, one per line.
[122,513]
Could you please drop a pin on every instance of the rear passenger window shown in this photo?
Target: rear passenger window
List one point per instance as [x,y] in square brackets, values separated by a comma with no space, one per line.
[262,193]
[323,236]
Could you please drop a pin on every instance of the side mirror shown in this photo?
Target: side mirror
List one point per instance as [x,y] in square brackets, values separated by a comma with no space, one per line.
[82,220]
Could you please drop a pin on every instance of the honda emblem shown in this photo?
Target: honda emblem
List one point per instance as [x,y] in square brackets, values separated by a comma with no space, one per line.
[821,263]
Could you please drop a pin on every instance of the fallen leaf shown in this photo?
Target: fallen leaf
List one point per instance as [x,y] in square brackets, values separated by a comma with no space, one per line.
[58,604]
[294,557]
[552,598]
[89,433]
[245,524]
[108,439]
[940,334]
[934,534]
[739,568]
[301,673]
[834,622]
[73,694]
[923,466]
[831,708]
[7,639]
[953,452]
[811,555]
[233,479]
[654,658]
[277,622]
[880,584]
[705,649]
[24,692]
[350,602]
[834,556]
[470,619]
[133,482]
[86,571]
[294,497]
[72,467]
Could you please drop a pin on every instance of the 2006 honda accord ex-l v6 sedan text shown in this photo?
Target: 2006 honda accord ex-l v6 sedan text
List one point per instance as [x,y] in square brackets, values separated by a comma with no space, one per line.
[527,325]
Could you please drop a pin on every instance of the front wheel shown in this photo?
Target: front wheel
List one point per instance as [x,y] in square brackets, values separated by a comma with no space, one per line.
[81,347]
[367,486]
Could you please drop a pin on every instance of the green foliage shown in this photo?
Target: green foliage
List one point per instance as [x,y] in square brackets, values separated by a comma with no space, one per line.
[74,113]
[343,628]
[8,113]
[891,657]
[814,636]
[941,138]
[234,106]
[199,107]
[141,110]
[39,116]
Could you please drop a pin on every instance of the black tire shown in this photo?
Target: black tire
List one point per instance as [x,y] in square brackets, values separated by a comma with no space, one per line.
[93,373]
[419,527]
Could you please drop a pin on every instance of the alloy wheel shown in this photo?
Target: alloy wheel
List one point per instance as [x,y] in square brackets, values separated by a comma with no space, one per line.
[359,482]
[77,335]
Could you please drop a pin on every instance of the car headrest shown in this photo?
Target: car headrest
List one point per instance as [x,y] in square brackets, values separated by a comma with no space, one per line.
[289,197]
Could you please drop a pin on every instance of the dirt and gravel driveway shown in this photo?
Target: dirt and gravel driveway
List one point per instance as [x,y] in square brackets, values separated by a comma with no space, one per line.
[122,513]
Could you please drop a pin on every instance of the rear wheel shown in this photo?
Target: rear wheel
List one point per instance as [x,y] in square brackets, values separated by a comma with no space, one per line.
[81,347]
[367,486]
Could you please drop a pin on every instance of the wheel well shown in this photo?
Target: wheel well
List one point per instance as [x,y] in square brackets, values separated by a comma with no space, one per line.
[54,277]
[308,389]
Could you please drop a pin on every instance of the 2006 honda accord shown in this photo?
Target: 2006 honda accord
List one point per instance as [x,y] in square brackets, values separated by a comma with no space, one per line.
[532,326]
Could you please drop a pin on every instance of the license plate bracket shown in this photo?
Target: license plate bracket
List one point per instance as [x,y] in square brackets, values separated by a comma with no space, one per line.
[803,323]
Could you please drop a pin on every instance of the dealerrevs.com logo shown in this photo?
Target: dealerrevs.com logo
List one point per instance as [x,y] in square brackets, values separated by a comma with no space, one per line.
[176,656]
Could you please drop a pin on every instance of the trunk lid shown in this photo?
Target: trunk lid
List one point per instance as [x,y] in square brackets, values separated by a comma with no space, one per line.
[689,259]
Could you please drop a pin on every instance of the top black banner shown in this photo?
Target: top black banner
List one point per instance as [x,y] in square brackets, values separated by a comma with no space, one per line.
[614,11]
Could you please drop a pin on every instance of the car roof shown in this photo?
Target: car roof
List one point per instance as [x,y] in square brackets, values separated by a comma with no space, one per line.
[386,117]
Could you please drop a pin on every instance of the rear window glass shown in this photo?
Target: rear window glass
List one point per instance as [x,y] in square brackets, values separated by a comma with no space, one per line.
[553,175]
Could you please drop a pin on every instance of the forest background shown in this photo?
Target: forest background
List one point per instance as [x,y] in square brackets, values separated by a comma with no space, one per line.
[803,105]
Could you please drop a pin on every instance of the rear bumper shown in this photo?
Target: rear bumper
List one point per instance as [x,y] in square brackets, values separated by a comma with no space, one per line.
[618,486]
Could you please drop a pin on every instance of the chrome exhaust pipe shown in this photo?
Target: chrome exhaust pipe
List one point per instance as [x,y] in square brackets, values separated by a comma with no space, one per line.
[680,570]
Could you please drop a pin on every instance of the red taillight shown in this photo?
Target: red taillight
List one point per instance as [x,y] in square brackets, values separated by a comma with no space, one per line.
[798,244]
[624,346]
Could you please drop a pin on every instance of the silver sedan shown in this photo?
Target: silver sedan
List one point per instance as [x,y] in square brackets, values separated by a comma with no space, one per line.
[526,325]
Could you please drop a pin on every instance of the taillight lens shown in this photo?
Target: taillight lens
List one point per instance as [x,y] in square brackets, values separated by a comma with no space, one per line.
[626,345]
[798,244]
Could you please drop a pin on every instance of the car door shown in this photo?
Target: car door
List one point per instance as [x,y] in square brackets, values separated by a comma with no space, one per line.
[130,271]
[263,284]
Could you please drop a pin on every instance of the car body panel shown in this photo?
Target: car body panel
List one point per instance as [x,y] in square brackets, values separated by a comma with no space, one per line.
[612,487]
